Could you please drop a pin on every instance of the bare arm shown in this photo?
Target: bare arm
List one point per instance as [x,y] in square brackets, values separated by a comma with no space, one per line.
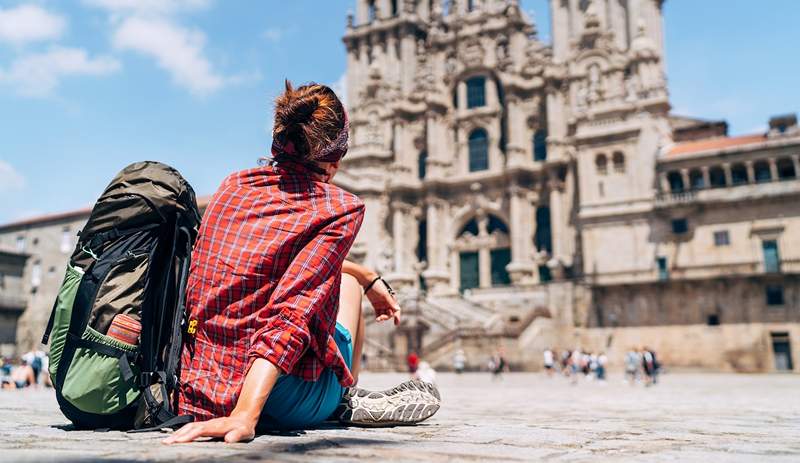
[361,273]
[384,303]
[241,425]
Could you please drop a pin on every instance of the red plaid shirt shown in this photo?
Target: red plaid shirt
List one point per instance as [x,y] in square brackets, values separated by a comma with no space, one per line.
[264,283]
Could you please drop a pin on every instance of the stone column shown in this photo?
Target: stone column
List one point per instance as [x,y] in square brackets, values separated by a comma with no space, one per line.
[664,182]
[403,274]
[726,167]
[353,75]
[399,235]
[751,175]
[773,169]
[516,132]
[436,276]
[484,256]
[439,150]
[685,177]
[521,267]
[362,13]
[796,162]
[560,21]
[461,95]
[557,224]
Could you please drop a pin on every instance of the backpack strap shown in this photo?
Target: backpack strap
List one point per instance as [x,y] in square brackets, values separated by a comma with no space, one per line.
[174,422]
[46,335]
[97,239]
[179,314]
[159,410]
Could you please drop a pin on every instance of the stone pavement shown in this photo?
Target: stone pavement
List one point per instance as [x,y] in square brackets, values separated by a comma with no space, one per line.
[523,417]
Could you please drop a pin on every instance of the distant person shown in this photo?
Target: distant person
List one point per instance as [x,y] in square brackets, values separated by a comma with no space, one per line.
[22,376]
[566,366]
[459,361]
[499,364]
[586,363]
[34,359]
[600,372]
[632,362]
[575,363]
[650,366]
[413,363]
[549,362]
[5,372]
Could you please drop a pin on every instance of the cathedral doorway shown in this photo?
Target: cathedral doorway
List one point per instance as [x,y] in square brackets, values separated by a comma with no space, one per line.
[483,251]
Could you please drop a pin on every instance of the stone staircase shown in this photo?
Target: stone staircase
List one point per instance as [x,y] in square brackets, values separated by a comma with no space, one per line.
[461,322]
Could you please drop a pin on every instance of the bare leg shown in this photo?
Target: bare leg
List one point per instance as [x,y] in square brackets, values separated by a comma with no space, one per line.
[350,317]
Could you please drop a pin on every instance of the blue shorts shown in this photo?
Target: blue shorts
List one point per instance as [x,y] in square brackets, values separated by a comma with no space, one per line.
[295,403]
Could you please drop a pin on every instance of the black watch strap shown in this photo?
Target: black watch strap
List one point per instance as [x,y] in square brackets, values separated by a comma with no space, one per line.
[371,283]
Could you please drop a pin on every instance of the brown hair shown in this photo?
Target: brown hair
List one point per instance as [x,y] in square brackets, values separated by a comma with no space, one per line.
[310,116]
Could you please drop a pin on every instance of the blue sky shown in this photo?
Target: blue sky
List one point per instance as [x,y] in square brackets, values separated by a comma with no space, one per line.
[88,86]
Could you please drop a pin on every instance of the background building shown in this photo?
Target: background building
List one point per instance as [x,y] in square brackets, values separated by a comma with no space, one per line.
[524,195]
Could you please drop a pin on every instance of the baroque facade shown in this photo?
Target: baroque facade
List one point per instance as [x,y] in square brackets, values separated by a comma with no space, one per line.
[523,195]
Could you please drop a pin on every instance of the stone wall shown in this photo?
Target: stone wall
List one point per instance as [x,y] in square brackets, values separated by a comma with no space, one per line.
[689,302]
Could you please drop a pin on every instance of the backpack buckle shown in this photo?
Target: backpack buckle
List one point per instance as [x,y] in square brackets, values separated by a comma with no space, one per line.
[145,379]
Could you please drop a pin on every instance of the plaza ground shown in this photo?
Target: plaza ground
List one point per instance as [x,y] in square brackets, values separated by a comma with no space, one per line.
[523,417]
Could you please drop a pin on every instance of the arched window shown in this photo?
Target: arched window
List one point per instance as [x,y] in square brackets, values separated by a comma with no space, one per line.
[786,169]
[696,179]
[496,224]
[472,253]
[675,180]
[421,164]
[716,176]
[761,170]
[738,174]
[478,150]
[618,159]
[394,7]
[540,145]
[470,227]
[470,5]
[601,162]
[476,92]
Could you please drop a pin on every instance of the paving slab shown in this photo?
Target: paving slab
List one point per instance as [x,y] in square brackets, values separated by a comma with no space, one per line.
[521,417]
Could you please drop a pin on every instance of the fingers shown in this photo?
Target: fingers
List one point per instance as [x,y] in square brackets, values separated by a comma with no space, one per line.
[234,436]
[187,433]
[192,431]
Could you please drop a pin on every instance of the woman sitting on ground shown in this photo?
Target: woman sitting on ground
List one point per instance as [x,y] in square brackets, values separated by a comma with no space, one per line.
[275,321]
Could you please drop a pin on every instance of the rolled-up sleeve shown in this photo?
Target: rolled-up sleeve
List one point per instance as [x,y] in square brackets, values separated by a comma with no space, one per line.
[310,282]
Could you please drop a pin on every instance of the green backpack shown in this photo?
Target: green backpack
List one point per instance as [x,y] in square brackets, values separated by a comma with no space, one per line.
[132,258]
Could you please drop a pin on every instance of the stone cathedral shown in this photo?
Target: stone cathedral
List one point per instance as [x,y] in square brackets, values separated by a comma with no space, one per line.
[523,195]
[512,187]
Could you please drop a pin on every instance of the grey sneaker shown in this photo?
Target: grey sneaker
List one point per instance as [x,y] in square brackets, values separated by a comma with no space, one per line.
[411,402]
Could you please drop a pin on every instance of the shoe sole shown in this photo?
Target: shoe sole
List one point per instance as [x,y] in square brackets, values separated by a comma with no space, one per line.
[409,403]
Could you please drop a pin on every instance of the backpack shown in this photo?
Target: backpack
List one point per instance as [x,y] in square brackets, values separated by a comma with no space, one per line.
[132,258]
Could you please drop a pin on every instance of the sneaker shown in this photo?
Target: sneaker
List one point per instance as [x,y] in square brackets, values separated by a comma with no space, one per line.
[411,402]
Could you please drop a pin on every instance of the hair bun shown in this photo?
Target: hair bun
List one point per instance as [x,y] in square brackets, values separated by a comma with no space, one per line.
[301,109]
[311,117]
